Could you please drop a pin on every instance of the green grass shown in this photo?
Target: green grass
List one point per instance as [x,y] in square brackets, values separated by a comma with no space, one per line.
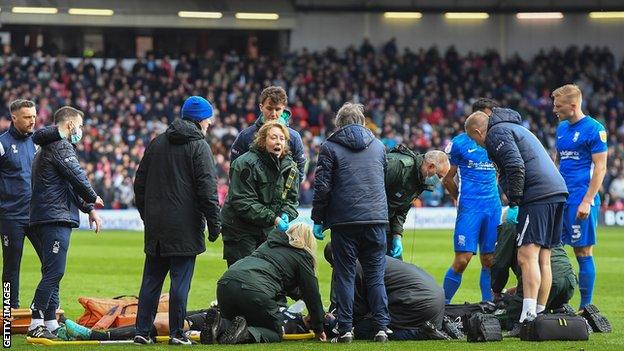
[111,264]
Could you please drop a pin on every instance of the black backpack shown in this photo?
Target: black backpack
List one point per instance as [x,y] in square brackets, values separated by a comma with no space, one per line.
[466,310]
[557,326]
[482,327]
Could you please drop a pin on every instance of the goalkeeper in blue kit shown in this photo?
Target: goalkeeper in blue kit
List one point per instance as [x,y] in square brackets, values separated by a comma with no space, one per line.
[582,159]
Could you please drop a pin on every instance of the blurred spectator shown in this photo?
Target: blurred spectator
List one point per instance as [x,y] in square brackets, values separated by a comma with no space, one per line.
[419,98]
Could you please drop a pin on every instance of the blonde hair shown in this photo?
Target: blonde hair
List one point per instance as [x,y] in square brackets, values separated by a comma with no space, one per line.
[570,92]
[300,236]
[477,120]
[261,136]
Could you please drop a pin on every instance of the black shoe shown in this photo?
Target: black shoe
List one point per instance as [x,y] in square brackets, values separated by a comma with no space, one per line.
[142,340]
[598,322]
[183,340]
[451,328]
[212,327]
[515,331]
[432,333]
[343,338]
[41,332]
[237,333]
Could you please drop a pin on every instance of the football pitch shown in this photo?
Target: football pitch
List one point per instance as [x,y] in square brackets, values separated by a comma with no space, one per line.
[111,264]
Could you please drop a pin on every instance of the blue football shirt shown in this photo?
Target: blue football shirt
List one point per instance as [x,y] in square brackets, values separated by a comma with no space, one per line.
[475,171]
[576,143]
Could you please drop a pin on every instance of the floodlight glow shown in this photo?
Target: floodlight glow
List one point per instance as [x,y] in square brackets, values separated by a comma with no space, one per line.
[607,14]
[90,12]
[403,15]
[256,16]
[35,10]
[539,15]
[467,15]
[199,14]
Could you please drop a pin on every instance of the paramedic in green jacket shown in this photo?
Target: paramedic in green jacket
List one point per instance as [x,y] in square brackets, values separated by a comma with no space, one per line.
[263,193]
[407,176]
[564,279]
[251,291]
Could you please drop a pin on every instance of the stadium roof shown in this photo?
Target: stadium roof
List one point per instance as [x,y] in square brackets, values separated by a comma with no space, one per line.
[282,13]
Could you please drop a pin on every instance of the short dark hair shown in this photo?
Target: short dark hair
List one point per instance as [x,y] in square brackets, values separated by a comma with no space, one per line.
[19,104]
[483,103]
[276,95]
[65,113]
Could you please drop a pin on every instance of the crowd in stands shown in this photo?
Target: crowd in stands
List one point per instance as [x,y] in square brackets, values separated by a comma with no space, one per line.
[419,98]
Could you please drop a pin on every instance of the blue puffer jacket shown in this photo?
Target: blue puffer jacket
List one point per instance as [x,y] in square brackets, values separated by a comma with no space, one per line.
[349,182]
[59,186]
[17,151]
[527,173]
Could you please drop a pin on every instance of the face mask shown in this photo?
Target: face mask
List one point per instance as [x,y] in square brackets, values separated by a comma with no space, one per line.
[76,136]
[433,180]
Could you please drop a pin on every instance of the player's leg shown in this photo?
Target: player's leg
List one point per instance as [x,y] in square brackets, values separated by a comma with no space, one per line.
[485,278]
[584,256]
[545,281]
[465,244]
[487,245]
[528,259]
[533,222]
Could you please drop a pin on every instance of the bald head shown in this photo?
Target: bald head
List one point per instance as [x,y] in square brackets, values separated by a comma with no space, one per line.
[476,127]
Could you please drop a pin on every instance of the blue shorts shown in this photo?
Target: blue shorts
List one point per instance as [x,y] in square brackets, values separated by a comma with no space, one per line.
[540,224]
[576,232]
[476,227]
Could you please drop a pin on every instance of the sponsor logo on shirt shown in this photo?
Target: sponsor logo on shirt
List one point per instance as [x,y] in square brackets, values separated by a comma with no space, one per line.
[566,154]
[483,165]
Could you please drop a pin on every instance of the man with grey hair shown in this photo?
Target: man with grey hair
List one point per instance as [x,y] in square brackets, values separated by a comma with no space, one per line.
[537,194]
[408,174]
[350,199]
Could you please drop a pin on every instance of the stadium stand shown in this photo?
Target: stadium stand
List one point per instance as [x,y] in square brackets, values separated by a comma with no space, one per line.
[419,98]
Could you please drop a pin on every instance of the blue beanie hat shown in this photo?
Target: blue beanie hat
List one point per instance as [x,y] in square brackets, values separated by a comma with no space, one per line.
[196,108]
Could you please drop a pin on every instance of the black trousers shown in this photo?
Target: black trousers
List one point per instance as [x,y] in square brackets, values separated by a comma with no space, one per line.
[13,232]
[180,269]
[259,309]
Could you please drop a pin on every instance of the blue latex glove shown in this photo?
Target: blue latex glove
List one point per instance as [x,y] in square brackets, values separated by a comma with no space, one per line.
[512,214]
[284,217]
[397,247]
[282,223]
[317,230]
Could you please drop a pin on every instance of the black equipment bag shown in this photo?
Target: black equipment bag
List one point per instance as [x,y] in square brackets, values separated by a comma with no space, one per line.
[466,310]
[558,326]
[483,327]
